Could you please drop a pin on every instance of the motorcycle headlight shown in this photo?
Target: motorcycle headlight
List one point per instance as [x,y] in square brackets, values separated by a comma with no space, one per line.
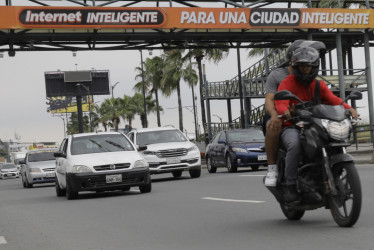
[241,150]
[81,169]
[141,164]
[337,130]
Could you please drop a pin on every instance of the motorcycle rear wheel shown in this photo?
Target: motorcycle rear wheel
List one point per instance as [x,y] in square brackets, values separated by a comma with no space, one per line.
[292,214]
[346,206]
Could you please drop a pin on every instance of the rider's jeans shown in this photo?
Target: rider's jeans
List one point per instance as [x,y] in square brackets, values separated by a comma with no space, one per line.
[291,140]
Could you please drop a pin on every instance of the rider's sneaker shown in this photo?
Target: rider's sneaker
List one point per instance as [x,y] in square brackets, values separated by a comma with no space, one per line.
[271,178]
[291,194]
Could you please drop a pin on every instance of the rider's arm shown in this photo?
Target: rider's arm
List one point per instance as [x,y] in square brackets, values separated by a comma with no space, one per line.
[328,97]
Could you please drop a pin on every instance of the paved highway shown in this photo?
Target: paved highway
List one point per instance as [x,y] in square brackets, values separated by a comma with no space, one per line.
[218,211]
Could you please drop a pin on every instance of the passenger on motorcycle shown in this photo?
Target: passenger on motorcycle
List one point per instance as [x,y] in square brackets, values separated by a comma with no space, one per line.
[302,83]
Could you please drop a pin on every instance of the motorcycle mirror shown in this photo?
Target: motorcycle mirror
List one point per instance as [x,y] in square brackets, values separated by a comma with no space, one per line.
[354,95]
[286,95]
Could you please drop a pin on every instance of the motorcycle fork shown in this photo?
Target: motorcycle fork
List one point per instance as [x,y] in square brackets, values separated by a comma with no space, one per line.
[330,177]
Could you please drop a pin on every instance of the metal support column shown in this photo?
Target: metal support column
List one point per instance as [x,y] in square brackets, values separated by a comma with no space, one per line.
[80,114]
[369,83]
[240,86]
[340,64]
[209,137]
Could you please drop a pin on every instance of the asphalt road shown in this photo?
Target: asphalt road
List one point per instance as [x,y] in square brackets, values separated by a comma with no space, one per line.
[218,211]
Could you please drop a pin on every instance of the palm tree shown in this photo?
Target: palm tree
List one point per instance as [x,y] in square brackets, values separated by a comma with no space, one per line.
[128,108]
[112,111]
[73,127]
[152,79]
[138,103]
[173,73]
[100,111]
[210,54]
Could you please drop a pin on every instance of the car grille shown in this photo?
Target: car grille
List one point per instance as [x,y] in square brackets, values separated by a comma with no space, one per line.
[171,152]
[129,181]
[110,166]
[48,170]
[155,165]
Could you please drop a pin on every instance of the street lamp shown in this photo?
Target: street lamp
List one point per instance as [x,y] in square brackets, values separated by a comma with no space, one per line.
[218,117]
[113,88]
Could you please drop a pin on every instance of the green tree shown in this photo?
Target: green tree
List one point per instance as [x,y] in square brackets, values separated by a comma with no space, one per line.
[129,109]
[212,54]
[152,80]
[111,110]
[73,127]
[176,68]
[138,103]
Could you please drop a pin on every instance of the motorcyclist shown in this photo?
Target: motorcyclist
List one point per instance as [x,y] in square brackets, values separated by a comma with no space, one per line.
[302,83]
[273,126]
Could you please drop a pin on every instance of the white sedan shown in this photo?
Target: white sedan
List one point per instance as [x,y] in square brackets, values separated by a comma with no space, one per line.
[99,162]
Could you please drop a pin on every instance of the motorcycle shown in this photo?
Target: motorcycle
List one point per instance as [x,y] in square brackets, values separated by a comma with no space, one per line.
[327,176]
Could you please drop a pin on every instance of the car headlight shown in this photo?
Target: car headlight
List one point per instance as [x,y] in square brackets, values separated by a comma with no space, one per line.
[192,149]
[141,164]
[81,169]
[337,130]
[241,150]
[35,170]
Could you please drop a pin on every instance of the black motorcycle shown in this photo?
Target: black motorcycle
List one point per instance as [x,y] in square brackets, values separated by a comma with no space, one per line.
[327,176]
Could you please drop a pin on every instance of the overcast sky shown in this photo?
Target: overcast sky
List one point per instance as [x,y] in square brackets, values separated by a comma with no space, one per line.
[23,108]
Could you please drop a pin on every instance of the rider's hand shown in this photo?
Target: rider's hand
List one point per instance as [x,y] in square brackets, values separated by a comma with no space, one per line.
[354,113]
[287,113]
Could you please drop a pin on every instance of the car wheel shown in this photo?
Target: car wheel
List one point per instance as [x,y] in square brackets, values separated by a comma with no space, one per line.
[71,194]
[230,167]
[195,173]
[209,166]
[59,191]
[146,188]
[28,185]
[177,174]
[255,168]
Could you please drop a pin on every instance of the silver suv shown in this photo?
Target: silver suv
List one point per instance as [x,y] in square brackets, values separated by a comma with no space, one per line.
[168,151]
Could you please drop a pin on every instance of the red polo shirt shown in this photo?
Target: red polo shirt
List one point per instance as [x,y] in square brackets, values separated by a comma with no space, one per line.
[291,84]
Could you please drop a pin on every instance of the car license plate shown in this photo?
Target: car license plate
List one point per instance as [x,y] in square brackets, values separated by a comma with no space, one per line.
[113,178]
[173,160]
[50,175]
[262,157]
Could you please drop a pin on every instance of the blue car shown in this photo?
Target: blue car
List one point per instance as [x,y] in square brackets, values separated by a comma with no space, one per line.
[236,148]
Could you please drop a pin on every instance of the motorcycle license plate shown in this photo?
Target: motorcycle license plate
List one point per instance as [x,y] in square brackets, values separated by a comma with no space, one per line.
[113,178]
[262,157]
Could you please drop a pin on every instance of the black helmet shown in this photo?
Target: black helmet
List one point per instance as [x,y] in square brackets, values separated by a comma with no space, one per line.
[306,55]
[319,46]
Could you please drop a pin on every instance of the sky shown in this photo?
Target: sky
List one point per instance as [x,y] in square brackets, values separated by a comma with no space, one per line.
[23,108]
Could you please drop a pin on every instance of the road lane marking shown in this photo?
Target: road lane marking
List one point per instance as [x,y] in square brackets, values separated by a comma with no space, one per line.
[231,200]
[261,175]
[2,240]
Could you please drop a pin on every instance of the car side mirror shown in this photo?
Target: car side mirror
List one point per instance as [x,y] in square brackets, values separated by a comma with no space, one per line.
[59,154]
[22,162]
[191,138]
[142,148]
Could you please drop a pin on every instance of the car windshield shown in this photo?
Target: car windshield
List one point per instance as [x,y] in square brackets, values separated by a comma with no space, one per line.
[100,144]
[253,135]
[41,156]
[163,136]
[8,166]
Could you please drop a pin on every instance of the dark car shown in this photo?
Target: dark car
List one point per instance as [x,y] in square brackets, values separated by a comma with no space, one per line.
[236,148]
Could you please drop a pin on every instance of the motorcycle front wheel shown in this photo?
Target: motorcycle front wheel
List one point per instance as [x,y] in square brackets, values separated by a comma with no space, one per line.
[292,214]
[345,207]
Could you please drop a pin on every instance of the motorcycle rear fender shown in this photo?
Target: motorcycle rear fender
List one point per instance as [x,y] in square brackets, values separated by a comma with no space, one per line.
[334,159]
